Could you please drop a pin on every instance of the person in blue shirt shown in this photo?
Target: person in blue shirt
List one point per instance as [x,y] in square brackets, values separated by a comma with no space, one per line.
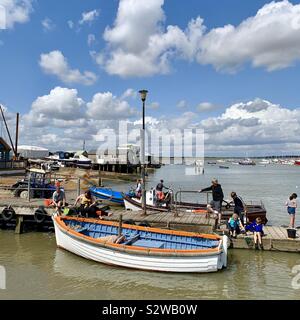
[258,232]
[235,225]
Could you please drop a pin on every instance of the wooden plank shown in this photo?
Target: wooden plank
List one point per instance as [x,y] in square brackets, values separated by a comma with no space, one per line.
[272,233]
[279,233]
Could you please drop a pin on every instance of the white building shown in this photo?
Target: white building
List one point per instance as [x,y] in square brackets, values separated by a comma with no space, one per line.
[32,152]
[125,154]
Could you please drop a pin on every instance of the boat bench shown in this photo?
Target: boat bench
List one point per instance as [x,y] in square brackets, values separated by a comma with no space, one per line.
[132,240]
[149,244]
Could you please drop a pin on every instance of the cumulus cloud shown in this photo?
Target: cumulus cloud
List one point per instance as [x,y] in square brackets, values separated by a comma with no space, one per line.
[255,123]
[89,17]
[61,104]
[270,39]
[141,44]
[138,43]
[106,106]
[54,63]
[15,11]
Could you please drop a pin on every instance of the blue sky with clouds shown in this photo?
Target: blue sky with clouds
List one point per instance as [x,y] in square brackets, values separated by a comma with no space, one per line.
[229,67]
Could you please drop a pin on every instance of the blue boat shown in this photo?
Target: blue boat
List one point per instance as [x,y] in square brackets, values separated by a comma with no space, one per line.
[107,194]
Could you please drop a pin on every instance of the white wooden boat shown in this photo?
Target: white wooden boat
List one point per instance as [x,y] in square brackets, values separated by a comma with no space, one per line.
[143,248]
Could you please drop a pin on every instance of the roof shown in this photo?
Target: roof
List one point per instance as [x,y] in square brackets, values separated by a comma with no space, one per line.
[32,148]
[5,144]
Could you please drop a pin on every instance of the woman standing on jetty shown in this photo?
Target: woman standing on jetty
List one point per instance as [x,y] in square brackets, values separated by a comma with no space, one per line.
[291,208]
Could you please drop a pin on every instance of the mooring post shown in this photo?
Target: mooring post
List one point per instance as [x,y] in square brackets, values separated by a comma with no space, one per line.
[120,225]
[19,225]
[78,187]
[29,186]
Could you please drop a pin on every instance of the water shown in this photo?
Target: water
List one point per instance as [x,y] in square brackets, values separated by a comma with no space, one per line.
[36,269]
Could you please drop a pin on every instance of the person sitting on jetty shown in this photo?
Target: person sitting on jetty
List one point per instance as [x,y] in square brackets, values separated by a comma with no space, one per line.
[59,199]
[235,225]
[160,196]
[138,190]
[257,229]
[240,207]
[218,197]
[291,205]
[88,206]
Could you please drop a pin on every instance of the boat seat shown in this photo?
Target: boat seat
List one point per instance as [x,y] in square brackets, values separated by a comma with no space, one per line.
[131,240]
[81,230]
[149,244]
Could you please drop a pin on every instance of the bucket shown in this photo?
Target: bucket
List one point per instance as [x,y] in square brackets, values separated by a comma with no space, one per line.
[291,233]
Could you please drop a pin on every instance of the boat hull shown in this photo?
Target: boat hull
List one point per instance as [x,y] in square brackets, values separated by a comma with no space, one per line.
[205,262]
[107,195]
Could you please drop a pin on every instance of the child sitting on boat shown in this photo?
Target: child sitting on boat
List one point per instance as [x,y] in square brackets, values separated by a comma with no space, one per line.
[258,232]
[235,225]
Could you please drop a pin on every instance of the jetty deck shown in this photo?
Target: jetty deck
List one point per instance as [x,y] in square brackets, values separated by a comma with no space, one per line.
[275,239]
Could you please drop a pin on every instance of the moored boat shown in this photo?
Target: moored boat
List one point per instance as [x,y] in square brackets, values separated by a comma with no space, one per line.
[297,163]
[247,162]
[254,210]
[108,195]
[140,247]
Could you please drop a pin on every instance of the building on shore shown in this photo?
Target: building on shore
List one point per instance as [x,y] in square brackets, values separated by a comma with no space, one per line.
[5,155]
[32,152]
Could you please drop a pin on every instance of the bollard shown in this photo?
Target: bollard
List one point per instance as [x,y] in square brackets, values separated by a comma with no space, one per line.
[78,187]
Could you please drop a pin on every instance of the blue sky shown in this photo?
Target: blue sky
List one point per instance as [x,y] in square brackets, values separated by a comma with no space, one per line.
[256,61]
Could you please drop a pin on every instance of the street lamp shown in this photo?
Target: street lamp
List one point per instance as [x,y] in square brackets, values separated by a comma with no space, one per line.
[143,94]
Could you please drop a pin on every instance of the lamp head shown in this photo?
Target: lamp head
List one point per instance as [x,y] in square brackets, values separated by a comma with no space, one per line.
[143,94]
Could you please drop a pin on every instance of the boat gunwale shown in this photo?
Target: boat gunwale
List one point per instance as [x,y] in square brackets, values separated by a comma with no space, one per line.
[140,250]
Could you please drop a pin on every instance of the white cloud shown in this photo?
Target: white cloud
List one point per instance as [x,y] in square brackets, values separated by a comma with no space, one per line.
[106,106]
[48,24]
[15,11]
[270,39]
[206,106]
[141,44]
[89,17]
[55,63]
[138,44]
[91,39]
[61,104]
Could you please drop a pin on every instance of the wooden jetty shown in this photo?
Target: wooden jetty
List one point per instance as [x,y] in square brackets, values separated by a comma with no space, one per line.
[275,239]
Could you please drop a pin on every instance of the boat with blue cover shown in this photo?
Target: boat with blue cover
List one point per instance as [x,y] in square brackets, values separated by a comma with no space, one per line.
[141,247]
[107,194]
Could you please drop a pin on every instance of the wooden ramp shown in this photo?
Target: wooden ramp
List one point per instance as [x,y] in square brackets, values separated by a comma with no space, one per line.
[275,239]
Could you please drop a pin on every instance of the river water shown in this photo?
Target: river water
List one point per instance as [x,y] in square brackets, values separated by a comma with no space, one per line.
[36,269]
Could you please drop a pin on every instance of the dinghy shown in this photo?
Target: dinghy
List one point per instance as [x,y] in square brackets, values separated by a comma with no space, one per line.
[108,194]
[141,247]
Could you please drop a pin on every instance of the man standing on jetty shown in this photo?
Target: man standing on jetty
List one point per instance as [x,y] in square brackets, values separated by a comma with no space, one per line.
[218,197]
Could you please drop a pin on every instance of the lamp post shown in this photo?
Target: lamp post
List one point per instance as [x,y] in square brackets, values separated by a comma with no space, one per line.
[143,94]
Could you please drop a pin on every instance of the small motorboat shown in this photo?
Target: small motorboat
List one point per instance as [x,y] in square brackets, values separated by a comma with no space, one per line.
[223,167]
[141,247]
[108,194]
[247,162]
[297,163]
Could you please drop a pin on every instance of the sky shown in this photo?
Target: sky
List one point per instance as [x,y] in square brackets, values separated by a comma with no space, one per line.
[73,70]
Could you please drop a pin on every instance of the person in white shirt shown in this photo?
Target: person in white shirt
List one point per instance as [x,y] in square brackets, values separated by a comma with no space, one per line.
[291,205]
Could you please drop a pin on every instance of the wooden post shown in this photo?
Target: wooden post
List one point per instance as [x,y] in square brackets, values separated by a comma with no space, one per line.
[19,225]
[99,176]
[120,225]
[29,187]
[78,187]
